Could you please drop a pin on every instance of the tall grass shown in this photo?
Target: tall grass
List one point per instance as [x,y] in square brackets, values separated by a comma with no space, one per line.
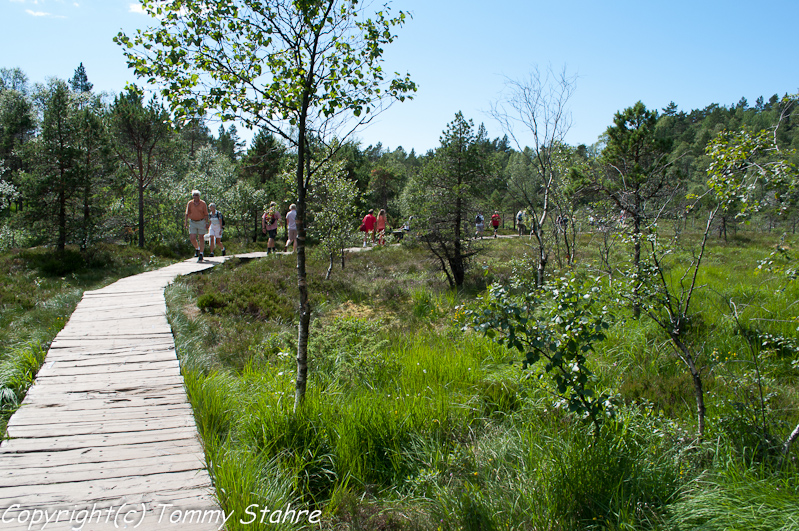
[410,423]
[738,497]
[17,372]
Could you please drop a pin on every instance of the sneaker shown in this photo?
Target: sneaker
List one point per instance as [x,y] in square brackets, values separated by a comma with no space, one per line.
[200,259]
[223,252]
[196,253]
[210,255]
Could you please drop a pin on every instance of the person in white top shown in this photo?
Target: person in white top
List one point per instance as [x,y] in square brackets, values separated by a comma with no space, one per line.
[291,226]
[215,230]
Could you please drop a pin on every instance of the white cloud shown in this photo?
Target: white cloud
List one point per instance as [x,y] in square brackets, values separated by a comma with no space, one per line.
[136,8]
[42,14]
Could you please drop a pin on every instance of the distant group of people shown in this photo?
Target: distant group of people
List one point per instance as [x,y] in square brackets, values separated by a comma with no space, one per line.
[269,223]
[374,226]
[479,224]
[201,219]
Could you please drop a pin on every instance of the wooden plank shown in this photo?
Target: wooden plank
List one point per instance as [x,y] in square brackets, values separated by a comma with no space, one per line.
[34,416]
[77,472]
[103,402]
[115,355]
[110,316]
[93,471]
[70,399]
[97,427]
[56,369]
[118,336]
[103,489]
[113,320]
[161,343]
[120,306]
[112,454]
[95,441]
[89,380]
[75,385]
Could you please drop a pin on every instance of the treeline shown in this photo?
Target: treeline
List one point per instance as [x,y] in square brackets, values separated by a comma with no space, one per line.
[80,167]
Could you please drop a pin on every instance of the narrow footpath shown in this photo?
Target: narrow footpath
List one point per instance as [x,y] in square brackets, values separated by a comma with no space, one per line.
[105,438]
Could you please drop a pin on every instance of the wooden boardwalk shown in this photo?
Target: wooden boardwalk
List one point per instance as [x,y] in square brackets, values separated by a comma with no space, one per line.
[105,438]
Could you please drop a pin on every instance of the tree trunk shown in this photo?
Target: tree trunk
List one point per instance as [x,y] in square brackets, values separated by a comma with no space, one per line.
[330,267]
[141,214]
[456,264]
[542,254]
[637,265]
[303,328]
[62,218]
[696,379]
[787,446]
[700,402]
[86,212]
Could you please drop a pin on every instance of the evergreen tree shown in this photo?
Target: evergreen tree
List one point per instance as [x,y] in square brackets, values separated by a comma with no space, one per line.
[444,197]
[634,175]
[54,156]
[80,81]
[17,121]
[228,142]
[141,140]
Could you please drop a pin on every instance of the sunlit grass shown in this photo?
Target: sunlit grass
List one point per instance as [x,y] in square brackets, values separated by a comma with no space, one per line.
[410,423]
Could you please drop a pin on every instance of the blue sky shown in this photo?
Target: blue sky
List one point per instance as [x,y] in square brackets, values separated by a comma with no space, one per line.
[460,52]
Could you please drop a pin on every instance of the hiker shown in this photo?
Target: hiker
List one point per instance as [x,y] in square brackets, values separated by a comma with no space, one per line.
[291,227]
[479,225]
[196,220]
[520,222]
[215,230]
[368,225]
[382,220]
[495,219]
[269,223]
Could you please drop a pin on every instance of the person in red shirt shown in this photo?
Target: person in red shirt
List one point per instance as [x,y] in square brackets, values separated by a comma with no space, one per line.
[368,225]
[495,219]
[382,221]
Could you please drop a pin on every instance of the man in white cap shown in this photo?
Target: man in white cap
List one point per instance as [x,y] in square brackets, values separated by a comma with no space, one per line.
[196,220]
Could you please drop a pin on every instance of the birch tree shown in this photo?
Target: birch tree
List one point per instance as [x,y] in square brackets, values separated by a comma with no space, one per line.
[536,108]
[304,70]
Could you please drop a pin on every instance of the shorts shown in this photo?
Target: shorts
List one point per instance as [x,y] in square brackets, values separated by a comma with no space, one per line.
[197,227]
[479,227]
[272,233]
[215,231]
[292,235]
